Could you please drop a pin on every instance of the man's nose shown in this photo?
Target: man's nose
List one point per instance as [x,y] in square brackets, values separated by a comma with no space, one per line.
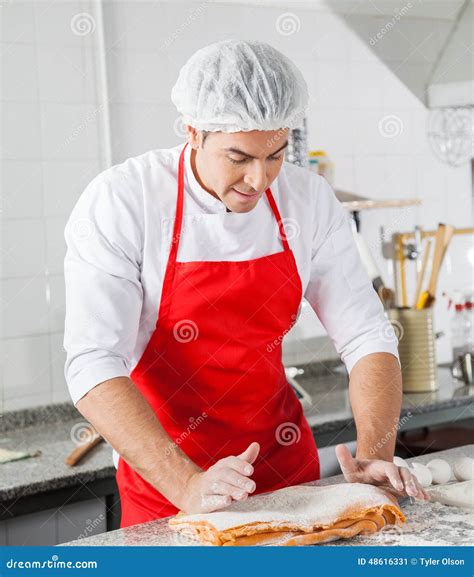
[256,176]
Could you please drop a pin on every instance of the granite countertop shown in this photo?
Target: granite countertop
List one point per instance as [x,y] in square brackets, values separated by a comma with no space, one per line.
[50,429]
[428,523]
[55,438]
[331,409]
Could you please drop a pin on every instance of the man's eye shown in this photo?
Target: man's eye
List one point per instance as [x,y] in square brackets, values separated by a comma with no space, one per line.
[241,161]
[237,161]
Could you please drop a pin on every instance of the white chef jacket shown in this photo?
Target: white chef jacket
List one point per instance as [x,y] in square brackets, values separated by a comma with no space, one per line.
[118,239]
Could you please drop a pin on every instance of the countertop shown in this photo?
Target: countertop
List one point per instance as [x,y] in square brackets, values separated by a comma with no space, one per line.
[52,430]
[54,437]
[331,409]
[428,523]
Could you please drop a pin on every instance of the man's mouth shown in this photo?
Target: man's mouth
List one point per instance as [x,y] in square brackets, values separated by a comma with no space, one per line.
[246,194]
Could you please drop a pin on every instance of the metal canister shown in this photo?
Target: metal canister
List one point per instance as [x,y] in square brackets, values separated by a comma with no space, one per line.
[417,348]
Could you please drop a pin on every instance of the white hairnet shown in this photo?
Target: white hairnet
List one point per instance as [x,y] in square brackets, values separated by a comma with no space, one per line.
[234,86]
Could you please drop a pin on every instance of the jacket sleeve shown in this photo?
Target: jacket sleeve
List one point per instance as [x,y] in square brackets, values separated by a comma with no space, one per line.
[103,288]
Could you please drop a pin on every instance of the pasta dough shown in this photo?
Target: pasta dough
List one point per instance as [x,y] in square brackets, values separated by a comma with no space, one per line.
[299,515]
[464,469]
[456,494]
[440,470]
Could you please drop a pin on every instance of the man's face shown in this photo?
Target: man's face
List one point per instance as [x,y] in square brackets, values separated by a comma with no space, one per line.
[238,167]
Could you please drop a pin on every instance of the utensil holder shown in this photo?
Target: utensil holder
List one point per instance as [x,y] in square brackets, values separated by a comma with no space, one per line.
[417,348]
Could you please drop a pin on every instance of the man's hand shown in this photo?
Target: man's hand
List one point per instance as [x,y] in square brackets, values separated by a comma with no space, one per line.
[225,481]
[378,472]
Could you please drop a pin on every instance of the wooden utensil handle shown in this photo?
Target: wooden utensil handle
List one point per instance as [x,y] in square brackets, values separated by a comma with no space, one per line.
[421,274]
[80,452]
[437,258]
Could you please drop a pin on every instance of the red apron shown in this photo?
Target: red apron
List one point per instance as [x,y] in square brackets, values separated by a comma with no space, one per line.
[213,374]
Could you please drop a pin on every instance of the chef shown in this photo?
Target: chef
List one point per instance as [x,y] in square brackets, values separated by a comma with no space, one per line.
[186,267]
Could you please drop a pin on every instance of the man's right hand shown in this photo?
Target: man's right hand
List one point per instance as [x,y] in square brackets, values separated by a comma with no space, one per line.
[226,480]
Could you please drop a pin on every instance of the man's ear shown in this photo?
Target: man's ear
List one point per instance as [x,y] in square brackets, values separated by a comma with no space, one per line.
[192,136]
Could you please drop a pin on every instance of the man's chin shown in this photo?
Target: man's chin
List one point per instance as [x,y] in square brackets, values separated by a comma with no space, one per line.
[234,208]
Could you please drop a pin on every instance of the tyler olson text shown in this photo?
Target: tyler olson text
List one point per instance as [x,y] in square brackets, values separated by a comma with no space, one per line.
[444,561]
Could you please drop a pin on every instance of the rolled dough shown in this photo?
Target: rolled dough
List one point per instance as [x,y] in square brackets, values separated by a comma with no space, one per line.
[298,515]
[455,494]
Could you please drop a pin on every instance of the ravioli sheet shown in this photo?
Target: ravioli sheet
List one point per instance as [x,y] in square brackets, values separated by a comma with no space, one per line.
[298,515]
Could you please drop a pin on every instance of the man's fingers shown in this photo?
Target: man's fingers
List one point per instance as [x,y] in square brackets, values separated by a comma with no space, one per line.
[393,474]
[250,453]
[237,464]
[240,482]
[346,460]
[211,503]
[223,488]
[409,481]
[412,486]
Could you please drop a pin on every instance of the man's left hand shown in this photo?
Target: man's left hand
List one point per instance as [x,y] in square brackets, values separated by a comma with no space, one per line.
[379,472]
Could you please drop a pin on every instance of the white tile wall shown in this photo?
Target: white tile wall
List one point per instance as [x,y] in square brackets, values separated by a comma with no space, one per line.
[50,149]
[51,143]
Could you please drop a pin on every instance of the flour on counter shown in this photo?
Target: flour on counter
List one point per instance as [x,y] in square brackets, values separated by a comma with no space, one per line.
[428,524]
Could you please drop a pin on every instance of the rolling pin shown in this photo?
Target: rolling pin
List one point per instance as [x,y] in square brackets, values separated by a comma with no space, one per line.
[80,452]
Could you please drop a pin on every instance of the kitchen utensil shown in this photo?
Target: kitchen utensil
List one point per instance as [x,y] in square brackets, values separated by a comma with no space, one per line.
[387,296]
[462,368]
[7,456]
[421,274]
[81,451]
[367,259]
[428,296]
[417,348]
[448,235]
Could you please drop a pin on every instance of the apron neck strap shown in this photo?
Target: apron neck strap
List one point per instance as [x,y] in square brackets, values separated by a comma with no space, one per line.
[178,221]
[278,218]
